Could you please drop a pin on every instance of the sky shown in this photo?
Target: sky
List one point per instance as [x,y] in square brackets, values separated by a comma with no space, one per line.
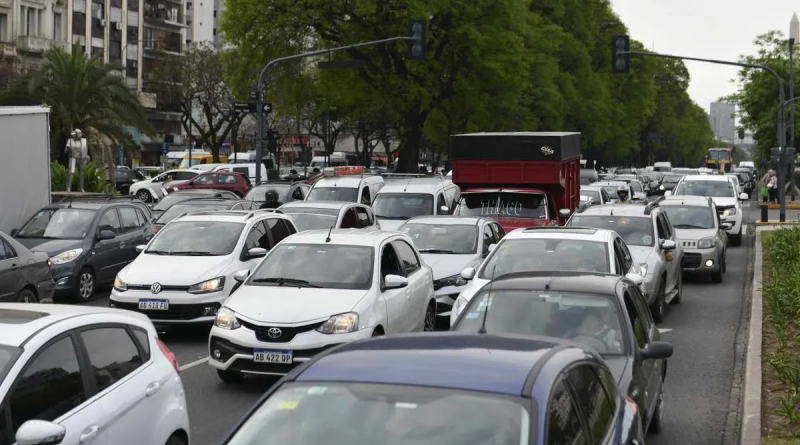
[711,29]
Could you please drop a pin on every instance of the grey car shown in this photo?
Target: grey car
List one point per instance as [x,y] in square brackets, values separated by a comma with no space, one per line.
[24,275]
[700,234]
[651,240]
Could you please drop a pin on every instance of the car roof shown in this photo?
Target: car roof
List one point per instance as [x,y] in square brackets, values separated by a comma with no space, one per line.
[611,182]
[485,363]
[347,181]
[715,178]
[451,220]
[588,282]
[241,216]
[20,321]
[414,185]
[633,210]
[90,205]
[348,237]
[560,232]
[317,204]
[207,200]
[703,201]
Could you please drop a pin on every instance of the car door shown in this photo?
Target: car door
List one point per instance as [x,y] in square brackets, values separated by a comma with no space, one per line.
[54,386]
[487,239]
[133,232]
[227,182]
[419,284]
[664,233]
[395,299]
[596,404]
[108,255]
[278,229]
[9,272]
[205,181]
[564,421]
[647,374]
[363,217]
[257,236]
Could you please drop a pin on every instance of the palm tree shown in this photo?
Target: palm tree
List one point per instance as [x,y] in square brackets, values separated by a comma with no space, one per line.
[83,93]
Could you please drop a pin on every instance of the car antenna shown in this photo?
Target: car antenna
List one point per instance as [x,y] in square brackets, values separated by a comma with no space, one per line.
[407,184]
[482,330]
[328,239]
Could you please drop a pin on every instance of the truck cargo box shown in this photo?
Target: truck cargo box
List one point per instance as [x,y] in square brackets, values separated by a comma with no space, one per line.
[521,146]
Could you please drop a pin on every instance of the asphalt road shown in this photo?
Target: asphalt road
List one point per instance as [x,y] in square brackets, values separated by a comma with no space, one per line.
[699,408]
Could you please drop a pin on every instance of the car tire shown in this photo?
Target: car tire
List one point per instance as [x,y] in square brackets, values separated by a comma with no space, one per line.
[144,196]
[657,308]
[716,277]
[657,422]
[679,294]
[175,440]
[736,240]
[230,376]
[429,323]
[26,296]
[86,285]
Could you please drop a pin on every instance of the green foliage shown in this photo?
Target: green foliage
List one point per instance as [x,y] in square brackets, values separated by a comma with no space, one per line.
[94,180]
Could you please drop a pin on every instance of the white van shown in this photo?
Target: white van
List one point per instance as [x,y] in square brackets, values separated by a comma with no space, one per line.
[248,169]
[662,167]
[337,159]
[401,199]
[349,188]
[250,157]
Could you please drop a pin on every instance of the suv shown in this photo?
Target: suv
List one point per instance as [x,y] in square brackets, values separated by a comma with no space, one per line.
[699,233]
[185,273]
[651,239]
[722,191]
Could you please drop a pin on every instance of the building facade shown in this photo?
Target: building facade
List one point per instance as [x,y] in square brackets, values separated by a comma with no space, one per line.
[723,121]
[203,21]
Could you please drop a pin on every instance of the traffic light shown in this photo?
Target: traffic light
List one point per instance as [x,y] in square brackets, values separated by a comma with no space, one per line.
[741,134]
[620,46]
[775,155]
[416,47]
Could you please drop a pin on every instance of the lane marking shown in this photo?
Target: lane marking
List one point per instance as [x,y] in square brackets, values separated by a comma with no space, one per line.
[663,330]
[193,364]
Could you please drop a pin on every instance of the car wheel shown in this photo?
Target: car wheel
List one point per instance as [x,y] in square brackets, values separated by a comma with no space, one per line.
[230,376]
[85,285]
[657,308]
[657,422]
[736,240]
[26,296]
[143,195]
[716,277]
[679,285]
[175,440]
[429,324]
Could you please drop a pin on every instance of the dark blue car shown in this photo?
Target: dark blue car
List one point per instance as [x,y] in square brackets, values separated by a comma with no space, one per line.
[446,389]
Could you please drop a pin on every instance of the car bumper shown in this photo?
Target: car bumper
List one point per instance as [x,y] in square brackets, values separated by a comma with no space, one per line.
[233,350]
[65,278]
[736,220]
[445,298]
[184,308]
[46,290]
[697,260]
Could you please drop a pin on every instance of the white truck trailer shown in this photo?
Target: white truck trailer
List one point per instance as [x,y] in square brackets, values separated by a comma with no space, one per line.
[24,164]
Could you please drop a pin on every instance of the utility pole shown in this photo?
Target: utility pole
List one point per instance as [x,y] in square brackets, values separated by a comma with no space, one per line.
[794,36]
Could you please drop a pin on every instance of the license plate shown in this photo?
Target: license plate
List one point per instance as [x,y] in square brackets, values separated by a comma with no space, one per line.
[154,305]
[271,356]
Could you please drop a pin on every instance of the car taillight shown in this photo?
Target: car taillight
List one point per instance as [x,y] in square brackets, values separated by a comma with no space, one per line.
[169,355]
[633,405]
[155,229]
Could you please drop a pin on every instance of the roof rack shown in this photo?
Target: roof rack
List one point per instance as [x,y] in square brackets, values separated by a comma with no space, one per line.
[576,228]
[255,211]
[651,205]
[404,175]
[213,213]
[101,198]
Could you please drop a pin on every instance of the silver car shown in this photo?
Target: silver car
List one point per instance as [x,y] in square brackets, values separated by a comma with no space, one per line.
[651,240]
[700,234]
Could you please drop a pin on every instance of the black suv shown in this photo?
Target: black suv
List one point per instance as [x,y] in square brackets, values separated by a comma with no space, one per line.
[87,242]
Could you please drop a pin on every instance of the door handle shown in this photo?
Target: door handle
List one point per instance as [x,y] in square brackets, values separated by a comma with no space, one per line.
[89,434]
[121,245]
[14,267]
[152,388]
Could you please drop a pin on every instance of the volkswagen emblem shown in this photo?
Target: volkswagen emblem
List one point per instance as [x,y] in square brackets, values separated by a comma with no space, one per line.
[274,332]
[155,288]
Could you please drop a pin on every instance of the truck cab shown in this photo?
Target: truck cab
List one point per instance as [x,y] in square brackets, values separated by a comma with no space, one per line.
[523,179]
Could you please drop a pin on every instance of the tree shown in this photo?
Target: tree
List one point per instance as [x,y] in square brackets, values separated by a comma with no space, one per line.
[81,93]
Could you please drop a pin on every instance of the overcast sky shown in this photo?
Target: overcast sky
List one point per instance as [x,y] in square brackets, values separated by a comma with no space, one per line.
[712,29]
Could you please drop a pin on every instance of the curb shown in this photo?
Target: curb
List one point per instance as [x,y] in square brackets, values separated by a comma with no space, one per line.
[751,410]
[778,207]
[776,223]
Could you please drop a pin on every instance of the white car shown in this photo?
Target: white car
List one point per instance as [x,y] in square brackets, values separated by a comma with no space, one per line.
[186,271]
[155,188]
[551,249]
[318,289]
[318,215]
[722,191]
[87,375]
[449,244]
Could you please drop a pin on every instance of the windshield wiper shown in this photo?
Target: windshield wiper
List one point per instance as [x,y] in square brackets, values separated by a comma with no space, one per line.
[157,252]
[391,217]
[435,251]
[192,253]
[289,281]
[688,226]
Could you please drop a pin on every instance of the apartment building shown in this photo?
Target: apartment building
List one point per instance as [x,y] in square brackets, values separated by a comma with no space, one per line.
[203,21]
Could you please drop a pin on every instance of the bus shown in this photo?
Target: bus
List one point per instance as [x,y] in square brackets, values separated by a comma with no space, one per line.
[720,159]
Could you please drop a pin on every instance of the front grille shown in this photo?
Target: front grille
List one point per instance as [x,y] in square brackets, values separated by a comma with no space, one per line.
[164,288]
[175,311]
[286,333]
[691,260]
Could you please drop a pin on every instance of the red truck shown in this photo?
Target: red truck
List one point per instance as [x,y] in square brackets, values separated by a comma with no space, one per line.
[521,179]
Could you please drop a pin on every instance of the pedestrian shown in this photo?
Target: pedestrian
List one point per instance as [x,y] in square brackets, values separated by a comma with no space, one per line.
[772,186]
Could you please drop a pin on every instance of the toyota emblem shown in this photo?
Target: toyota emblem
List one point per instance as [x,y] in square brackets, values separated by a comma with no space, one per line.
[155,288]
[274,332]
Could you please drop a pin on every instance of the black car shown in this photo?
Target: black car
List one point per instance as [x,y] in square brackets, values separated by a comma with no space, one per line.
[24,275]
[182,195]
[288,191]
[124,178]
[605,312]
[668,183]
[87,242]
[201,204]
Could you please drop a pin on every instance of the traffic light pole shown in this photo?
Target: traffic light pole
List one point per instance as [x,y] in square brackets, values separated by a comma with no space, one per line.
[781,112]
[261,88]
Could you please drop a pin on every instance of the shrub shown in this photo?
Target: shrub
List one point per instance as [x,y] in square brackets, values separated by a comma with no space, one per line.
[94,180]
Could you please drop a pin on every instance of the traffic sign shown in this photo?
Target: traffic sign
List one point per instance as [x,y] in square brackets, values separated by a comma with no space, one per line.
[253,94]
[165,148]
[242,108]
[253,107]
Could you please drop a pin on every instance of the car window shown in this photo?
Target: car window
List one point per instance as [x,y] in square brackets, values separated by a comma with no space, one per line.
[142,218]
[363,217]
[488,239]
[349,220]
[297,194]
[499,233]
[625,256]
[112,354]
[667,225]
[3,251]
[144,342]
[227,179]
[563,421]
[662,230]
[258,237]
[365,198]
[205,179]
[592,398]
[390,264]
[183,176]
[441,202]
[110,221]
[637,322]
[278,229]
[610,385]
[647,319]
[50,387]
[407,256]
[130,222]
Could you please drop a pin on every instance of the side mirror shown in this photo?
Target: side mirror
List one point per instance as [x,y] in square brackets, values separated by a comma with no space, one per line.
[257,252]
[140,248]
[744,197]
[468,273]
[395,281]
[40,432]
[668,193]
[445,210]
[564,213]
[14,232]
[668,244]
[636,278]
[726,226]
[241,275]
[657,350]
[105,235]
[492,247]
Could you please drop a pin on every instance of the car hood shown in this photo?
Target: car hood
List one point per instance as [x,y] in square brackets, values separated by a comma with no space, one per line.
[173,270]
[510,224]
[724,202]
[285,304]
[694,234]
[449,265]
[621,370]
[50,246]
[391,224]
[640,253]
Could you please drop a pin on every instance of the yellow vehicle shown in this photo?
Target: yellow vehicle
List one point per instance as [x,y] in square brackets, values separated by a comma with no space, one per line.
[200,159]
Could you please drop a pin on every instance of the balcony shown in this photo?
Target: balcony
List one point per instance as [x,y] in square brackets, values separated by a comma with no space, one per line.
[164,14]
[40,44]
[8,50]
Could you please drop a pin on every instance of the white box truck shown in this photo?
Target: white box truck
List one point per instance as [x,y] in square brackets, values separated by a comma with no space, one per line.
[24,164]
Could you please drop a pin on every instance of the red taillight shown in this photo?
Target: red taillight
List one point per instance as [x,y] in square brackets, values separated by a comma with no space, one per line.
[169,355]
[633,405]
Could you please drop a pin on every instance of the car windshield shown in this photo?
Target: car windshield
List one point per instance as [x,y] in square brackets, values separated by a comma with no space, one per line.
[331,266]
[196,238]
[185,162]
[503,205]
[662,169]
[591,319]
[719,155]
[636,186]
[714,189]
[687,171]
[312,221]
[59,224]
[672,179]
[178,209]
[452,239]
[315,210]
[591,194]
[402,205]
[123,175]
[8,356]
[635,231]
[256,194]
[174,198]
[533,255]
[612,190]
[362,413]
[690,217]
[347,194]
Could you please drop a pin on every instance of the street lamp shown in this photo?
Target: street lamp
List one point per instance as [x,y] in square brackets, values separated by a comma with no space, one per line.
[794,36]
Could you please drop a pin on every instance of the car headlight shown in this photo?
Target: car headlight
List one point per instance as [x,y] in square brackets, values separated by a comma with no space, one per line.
[706,243]
[454,280]
[643,269]
[226,319]
[340,324]
[728,212]
[120,285]
[212,285]
[661,187]
[459,305]
[66,257]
